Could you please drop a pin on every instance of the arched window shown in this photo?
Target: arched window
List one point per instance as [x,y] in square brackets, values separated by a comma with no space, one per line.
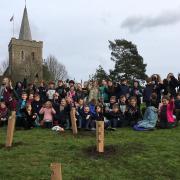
[33,56]
[22,55]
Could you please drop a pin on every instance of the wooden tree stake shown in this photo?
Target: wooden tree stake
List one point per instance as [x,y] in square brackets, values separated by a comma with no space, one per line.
[10,129]
[73,121]
[56,171]
[100,136]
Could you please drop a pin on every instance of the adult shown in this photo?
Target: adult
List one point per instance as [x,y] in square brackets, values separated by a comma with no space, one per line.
[170,84]
[93,91]
[123,89]
[103,92]
[7,93]
[111,89]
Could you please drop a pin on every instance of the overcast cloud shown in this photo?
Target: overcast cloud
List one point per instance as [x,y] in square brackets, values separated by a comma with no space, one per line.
[77,32]
[138,23]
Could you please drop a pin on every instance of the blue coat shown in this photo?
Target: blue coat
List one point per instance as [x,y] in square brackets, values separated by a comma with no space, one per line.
[150,118]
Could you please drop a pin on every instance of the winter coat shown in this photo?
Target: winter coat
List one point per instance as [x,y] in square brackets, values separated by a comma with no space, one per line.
[150,118]
[147,93]
[48,113]
[170,110]
[93,94]
[103,93]
[36,106]
[122,90]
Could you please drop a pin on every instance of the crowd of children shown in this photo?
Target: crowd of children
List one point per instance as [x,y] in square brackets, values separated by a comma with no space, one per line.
[116,103]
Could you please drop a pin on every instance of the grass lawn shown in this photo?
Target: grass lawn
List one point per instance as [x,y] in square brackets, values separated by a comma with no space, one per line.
[129,155]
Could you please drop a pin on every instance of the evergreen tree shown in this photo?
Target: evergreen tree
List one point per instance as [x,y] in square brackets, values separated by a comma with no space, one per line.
[100,74]
[128,62]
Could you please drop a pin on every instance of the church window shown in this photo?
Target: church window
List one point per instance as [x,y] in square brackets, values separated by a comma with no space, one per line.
[33,56]
[22,55]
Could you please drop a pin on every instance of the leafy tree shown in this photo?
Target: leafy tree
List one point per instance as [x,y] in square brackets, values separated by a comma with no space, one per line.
[128,62]
[100,74]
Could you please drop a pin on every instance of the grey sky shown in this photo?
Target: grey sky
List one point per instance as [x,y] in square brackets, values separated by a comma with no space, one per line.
[77,31]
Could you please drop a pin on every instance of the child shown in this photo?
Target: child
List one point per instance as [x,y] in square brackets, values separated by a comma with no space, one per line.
[137,92]
[51,91]
[150,116]
[92,106]
[61,89]
[3,113]
[56,101]
[72,93]
[36,106]
[31,98]
[133,114]
[98,116]
[28,118]
[148,92]
[48,112]
[21,105]
[122,104]
[109,106]
[61,114]
[114,116]
[177,107]
[166,113]
[42,90]
[123,109]
[80,110]
[123,88]
[69,105]
[103,92]
[87,117]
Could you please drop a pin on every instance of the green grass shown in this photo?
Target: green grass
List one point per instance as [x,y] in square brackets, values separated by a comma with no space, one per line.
[131,155]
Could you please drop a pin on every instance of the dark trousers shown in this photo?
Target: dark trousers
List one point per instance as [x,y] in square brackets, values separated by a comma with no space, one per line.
[178,115]
[114,122]
[48,125]
[90,124]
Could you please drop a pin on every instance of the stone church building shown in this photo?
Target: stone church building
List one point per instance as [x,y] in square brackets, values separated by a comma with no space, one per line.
[25,55]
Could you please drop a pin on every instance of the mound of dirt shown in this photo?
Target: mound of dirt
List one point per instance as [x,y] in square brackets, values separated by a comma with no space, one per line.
[114,150]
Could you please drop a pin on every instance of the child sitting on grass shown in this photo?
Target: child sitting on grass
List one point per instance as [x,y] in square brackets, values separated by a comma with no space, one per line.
[177,107]
[114,116]
[122,109]
[167,119]
[87,117]
[48,111]
[61,114]
[20,107]
[109,106]
[150,116]
[28,117]
[133,114]
[80,111]
[98,116]
[4,113]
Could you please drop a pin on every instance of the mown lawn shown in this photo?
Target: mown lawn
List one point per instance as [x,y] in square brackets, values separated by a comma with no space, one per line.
[129,155]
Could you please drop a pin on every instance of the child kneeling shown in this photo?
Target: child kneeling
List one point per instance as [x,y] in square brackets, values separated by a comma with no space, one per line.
[48,111]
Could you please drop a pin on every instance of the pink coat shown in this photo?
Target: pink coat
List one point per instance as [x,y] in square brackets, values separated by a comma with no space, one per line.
[170,109]
[48,113]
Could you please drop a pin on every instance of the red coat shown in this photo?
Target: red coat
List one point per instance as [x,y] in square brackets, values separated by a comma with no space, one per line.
[170,110]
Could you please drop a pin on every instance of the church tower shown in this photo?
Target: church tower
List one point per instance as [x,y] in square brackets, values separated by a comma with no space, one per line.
[25,55]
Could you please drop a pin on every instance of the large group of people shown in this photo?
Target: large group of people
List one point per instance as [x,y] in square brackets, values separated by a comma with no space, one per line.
[119,104]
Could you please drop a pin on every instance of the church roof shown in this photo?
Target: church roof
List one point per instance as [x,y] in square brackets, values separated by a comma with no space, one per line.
[25,31]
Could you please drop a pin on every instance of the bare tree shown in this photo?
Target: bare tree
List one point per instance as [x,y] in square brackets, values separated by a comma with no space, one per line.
[57,69]
[4,65]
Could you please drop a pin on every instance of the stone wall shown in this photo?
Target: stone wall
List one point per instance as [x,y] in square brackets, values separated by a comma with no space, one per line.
[25,60]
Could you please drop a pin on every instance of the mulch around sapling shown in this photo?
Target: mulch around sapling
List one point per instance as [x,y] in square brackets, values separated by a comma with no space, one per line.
[110,151]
